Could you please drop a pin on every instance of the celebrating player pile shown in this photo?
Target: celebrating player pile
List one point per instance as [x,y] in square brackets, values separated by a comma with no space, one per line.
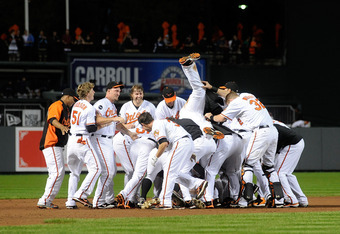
[199,153]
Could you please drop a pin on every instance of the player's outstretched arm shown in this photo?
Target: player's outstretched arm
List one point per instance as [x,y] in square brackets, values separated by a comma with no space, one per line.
[124,130]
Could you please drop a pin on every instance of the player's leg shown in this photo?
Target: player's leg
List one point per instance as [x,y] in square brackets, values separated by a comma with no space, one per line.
[94,169]
[75,165]
[55,165]
[121,147]
[104,151]
[269,163]
[141,151]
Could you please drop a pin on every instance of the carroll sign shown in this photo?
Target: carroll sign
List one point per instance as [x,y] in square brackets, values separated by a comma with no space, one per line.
[153,74]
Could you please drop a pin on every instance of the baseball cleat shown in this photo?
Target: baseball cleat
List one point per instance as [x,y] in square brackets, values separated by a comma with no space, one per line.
[214,133]
[83,201]
[188,60]
[201,189]
[72,207]
[51,206]
[121,201]
[302,204]
[105,206]
[209,205]
[259,202]
[291,205]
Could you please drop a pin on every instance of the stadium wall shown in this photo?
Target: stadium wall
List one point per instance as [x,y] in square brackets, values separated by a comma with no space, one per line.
[321,151]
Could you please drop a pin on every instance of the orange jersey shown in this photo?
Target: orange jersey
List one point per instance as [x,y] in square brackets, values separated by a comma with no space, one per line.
[52,136]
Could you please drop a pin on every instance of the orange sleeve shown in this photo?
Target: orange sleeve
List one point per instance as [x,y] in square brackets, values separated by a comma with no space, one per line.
[54,111]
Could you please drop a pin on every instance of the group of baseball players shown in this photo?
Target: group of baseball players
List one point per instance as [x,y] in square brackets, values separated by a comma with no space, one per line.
[198,153]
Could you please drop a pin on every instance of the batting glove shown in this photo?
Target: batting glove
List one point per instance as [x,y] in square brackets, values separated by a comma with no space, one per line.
[153,160]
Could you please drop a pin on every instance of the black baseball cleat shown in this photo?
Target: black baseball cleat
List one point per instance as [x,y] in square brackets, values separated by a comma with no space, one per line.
[188,60]
[83,201]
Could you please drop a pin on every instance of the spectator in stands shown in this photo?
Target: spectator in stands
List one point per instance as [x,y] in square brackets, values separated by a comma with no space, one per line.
[54,47]
[42,46]
[188,45]
[89,44]
[23,88]
[13,47]
[235,50]
[106,44]
[3,47]
[67,41]
[8,90]
[27,51]
[159,45]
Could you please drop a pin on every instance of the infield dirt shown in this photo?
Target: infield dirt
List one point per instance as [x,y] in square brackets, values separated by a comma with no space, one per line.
[25,212]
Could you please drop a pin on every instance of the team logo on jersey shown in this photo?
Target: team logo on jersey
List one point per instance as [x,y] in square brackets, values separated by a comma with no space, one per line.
[100,107]
[156,133]
[172,76]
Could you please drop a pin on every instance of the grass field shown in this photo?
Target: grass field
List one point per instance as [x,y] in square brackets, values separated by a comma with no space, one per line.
[313,184]
[19,186]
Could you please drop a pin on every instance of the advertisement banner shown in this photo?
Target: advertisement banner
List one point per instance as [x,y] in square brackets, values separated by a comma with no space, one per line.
[28,156]
[152,73]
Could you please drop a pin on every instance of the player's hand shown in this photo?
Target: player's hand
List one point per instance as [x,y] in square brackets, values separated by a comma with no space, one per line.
[153,160]
[64,130]
[207,116]
[207,85]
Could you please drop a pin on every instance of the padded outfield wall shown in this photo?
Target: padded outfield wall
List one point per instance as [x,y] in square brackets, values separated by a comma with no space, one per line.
[22,155]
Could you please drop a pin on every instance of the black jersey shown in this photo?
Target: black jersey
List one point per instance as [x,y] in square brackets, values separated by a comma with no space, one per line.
[286,137]
[191,127]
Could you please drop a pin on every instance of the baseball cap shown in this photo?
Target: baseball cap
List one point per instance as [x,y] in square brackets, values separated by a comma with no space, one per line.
[230,85]
[114,84]
[169,94]
[70,92]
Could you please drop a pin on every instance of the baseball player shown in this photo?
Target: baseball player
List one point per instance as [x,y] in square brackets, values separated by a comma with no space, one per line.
[251,113]
[53,140]
[170,106]
[130,112]
[102,142]
[80,148]
[165,132]
[289,149]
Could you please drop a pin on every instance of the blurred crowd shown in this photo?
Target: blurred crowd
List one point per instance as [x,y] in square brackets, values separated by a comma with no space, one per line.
[235,49]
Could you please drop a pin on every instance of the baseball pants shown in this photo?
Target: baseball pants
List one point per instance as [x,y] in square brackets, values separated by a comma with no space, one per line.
[77,155]
[121,146]
[54,159]
[228,147]
[140,149]
[285,164]
[104,149]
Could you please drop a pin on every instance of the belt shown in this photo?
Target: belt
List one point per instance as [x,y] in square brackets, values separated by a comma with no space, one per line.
[264,126]
[104,136]
[152,140]
[78,134]
[240,130]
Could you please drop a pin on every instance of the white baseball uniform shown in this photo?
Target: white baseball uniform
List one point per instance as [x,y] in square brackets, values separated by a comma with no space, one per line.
[102,142]
[163,111]
[290,147]
[194,109]
[122,144]
[172,160]
[253,116]
[80,150]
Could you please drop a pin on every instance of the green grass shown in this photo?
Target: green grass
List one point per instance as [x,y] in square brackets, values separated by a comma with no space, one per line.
[19,186]
[314,222]
[312,183]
